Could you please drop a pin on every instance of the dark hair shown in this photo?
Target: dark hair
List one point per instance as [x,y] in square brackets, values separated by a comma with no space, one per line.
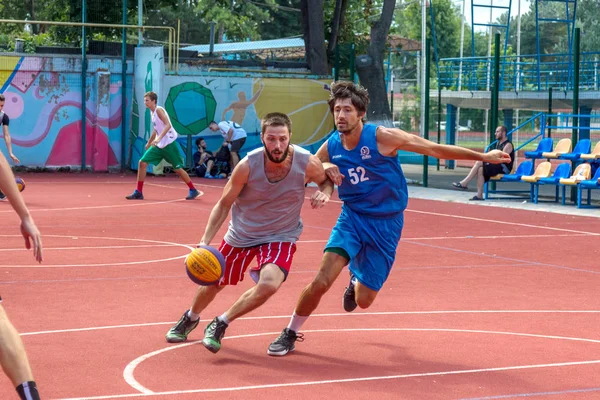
[275,119]
[2,98]
[503,128]
[198,141]
[213,122]
[152,96]
[349,90]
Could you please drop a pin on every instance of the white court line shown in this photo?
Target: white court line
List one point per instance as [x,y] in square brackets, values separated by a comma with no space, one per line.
[134,203]
[174,186]
[130,368]
[112,264]
[142,246]
[299,241]
[490,220]
[349,315]
[348,380]
[77,237]
[470,237]
[504,222]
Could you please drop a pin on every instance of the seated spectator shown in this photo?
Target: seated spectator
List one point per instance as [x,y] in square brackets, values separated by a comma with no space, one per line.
[484,171]
[220,164]
[202,158]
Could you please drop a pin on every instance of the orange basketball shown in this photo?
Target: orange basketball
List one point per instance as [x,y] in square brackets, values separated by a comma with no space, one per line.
[205,265]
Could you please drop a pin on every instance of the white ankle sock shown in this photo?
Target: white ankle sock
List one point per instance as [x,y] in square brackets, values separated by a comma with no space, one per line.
[296,322]
[193,316]
[223,318]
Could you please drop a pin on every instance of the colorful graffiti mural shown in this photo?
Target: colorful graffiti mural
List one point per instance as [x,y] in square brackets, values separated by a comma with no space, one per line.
[193,101]
[43,101]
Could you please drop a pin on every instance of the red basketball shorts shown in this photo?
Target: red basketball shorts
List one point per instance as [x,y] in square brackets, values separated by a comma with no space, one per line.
[237,260]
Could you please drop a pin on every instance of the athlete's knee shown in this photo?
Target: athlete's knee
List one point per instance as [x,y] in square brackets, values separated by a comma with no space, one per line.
[365,298]
[142,164]
[364,302]
[267,289]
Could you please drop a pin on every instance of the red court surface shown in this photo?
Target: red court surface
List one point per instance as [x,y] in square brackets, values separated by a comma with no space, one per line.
[483,303]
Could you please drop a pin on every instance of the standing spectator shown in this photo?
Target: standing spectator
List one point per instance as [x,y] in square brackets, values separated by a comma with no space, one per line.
[234,135]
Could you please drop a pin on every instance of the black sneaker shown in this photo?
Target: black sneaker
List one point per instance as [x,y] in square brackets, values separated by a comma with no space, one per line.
[285,343]
[349,299]
[182,329]
[213,334]
[136,195]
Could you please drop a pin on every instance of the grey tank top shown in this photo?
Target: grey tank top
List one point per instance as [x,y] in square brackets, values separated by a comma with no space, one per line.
[266,212]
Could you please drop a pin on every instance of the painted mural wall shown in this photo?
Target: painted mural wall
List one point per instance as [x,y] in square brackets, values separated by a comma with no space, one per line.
[194,101]
[43,101]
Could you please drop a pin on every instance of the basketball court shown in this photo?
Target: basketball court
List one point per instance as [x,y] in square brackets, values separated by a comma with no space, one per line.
[483,303]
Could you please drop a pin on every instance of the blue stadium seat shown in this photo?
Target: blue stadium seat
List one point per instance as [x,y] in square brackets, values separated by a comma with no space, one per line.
[525,168]
[562,171]
[545,145]
[582,147]
[581,173]
[588,185]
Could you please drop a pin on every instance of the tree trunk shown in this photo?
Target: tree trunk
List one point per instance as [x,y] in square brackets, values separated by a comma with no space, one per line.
[305,30]
[221,33]
[314,35]
[338,17]
[35,29]
[371,73]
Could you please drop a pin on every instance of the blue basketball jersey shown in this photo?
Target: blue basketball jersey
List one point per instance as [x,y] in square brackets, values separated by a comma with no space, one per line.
[373,184]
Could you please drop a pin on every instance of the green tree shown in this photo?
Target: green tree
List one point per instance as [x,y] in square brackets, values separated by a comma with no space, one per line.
[236,20]
[447,25]
[284,21]
[587,20]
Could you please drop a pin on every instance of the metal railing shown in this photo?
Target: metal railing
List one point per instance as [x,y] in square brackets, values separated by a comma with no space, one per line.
[521,74]
[173,36]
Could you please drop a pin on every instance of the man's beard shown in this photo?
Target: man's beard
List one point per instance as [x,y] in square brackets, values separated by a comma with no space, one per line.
[277,161]
[349,128]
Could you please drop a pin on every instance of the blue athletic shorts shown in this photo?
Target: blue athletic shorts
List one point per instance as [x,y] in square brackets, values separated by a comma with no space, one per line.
[371,244]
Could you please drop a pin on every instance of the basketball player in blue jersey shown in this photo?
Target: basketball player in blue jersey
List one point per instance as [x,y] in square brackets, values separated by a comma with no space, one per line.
[265,194]
[361,159]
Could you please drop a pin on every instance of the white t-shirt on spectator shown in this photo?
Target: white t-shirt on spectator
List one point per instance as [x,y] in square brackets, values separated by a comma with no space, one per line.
[238,131]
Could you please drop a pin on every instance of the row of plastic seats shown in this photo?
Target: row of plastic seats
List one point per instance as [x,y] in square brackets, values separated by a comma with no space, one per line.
[561,177]
[563,151]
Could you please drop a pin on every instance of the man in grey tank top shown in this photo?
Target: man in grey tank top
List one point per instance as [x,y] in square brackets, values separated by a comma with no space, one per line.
[265,194]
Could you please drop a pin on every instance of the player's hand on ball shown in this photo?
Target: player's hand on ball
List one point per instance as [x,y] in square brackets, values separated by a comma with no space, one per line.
[497,157]
[318,199]
[333,173]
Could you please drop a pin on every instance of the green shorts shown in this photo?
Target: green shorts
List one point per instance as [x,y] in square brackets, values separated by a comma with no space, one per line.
[170,153]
